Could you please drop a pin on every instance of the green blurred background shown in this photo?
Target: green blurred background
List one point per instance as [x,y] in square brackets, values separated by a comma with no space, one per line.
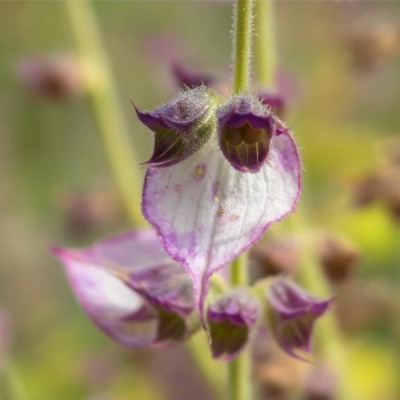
[344,113]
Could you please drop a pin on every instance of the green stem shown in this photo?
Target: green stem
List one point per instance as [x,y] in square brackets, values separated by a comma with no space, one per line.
[239,370]
[265,44]
[242,45]
[106,107]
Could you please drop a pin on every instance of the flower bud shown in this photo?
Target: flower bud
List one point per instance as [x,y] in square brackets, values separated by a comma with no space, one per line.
[231,319]
[292,313]
[275,100]
[245,130]
[181,127]
[338,257]
[189,79]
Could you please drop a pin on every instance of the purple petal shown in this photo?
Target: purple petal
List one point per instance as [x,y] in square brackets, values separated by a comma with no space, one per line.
[230,321]
[207,212]
[109,302]
[131,288]
[292,313]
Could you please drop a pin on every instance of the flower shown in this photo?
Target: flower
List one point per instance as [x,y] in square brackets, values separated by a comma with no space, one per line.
[208,210]
[131,289]
[230,320]
[292,313]
[245,130]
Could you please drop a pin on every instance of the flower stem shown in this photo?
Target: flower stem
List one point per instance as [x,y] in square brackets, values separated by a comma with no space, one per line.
[265,44]
[239,370]
[107,112]
[242,45]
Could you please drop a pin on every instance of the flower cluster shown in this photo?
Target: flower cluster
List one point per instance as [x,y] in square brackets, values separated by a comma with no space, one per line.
[222,171]
[206,206]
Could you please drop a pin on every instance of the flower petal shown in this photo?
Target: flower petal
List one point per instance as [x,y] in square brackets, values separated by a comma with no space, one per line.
[109,302]
[131,288]
[207,212]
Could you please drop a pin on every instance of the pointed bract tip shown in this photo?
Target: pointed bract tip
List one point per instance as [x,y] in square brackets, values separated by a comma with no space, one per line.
[292,313]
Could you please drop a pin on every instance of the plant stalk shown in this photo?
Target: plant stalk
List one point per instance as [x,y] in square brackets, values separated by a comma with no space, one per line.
[265,44]
[239,370]
[242,45]
[104,99]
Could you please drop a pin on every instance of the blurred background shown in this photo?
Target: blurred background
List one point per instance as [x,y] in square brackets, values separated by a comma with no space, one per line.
[340,64]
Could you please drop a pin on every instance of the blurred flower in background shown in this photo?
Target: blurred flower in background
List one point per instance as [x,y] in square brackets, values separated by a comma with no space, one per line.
[52,77]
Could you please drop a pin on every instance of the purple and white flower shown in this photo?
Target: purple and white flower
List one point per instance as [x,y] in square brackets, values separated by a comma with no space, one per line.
[131,289]
[209,207]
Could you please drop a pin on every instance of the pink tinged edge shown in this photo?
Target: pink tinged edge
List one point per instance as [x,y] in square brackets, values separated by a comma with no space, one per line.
[201,286]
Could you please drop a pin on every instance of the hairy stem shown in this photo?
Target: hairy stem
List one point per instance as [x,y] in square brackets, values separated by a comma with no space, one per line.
[106,107]
[265,44]
[242,45]
[239,379]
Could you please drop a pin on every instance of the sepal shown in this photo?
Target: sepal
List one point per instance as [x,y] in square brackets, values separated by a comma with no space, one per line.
[181,126]
[292,313]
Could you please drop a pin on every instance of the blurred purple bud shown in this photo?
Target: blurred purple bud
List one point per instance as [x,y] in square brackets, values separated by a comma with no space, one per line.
[231,319]
[292,313]
[181,126]
[320,384]
[131,289]
[275,100]
[56,77]
[245,131]
[371,43]
[338,257]
[189,79]
[276,256]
